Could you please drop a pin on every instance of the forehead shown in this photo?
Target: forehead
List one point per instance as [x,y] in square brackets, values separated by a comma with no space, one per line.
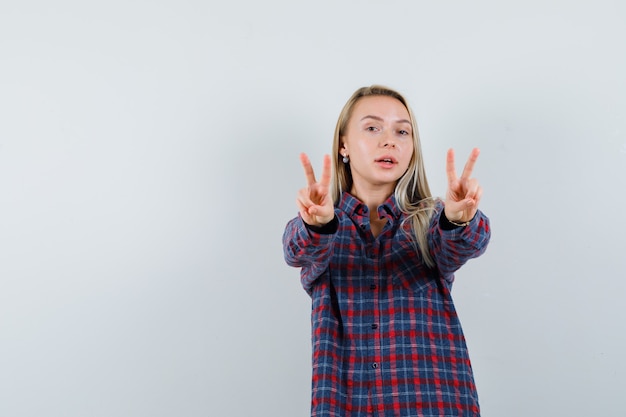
[385,107]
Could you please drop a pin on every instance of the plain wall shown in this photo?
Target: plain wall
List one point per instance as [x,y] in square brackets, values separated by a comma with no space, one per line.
[149,163]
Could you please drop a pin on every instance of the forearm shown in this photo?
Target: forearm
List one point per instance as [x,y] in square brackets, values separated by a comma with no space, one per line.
[308,247]
[452,246]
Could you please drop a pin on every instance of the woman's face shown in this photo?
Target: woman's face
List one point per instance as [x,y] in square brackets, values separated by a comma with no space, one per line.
[379,143]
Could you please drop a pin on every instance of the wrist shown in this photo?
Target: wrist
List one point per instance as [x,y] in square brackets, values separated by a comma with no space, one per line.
[327,228]
[448,224]
[459,223]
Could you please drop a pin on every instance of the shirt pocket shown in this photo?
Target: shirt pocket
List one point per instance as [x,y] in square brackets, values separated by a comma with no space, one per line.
[407,269]
[416,282]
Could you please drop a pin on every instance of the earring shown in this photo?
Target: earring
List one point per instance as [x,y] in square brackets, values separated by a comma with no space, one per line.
[346,159]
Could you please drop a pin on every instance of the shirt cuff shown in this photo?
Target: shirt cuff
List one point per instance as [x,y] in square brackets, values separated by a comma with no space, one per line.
[327,229]
[445,224]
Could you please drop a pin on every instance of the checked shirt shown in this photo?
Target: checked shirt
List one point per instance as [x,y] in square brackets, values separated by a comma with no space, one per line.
[386,337]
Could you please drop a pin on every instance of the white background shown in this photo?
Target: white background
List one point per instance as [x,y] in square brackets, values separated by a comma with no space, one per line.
[149,163]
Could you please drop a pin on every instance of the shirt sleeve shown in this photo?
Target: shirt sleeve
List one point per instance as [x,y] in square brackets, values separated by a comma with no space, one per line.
[308,248]
[451,248]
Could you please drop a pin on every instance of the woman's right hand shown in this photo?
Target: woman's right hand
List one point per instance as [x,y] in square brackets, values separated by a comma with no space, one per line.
[315,204]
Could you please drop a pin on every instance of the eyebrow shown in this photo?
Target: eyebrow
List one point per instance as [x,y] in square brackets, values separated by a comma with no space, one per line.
[380,119]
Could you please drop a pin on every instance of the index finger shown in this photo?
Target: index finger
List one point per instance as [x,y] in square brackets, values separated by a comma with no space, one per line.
[469,166]
[308,169]
[450,169]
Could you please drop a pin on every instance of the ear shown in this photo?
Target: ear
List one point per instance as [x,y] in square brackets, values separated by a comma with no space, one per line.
[342,148]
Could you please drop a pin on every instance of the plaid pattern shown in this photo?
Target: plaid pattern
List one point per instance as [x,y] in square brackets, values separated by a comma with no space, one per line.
[386,337]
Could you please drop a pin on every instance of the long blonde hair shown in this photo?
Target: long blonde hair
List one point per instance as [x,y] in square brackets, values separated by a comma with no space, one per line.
[412,192]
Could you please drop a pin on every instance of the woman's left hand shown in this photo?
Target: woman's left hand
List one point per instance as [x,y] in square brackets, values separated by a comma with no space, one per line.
[464,192]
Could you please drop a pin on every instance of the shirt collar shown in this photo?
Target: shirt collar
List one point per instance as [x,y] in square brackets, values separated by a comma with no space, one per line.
[354,207]
[390,208]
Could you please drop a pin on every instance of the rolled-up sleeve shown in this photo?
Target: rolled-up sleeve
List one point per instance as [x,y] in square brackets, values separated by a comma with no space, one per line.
[451,249]
[307,249]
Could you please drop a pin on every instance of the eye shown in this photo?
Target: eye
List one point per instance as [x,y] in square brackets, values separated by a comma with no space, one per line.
[404,132]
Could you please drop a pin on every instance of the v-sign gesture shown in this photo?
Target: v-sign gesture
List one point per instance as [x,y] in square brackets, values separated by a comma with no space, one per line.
[315,204]
[464,192]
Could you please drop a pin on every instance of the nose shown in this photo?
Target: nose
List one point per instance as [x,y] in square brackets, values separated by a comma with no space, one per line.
[388,140]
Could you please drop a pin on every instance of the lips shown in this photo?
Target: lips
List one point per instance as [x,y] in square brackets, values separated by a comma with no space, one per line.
[387,159]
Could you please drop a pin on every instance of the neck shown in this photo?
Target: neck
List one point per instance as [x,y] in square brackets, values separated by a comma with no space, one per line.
[372,197]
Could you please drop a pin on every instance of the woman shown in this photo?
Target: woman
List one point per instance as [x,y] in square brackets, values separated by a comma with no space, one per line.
[378,256]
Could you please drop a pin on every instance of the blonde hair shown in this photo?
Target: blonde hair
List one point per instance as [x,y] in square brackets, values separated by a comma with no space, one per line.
[412,192]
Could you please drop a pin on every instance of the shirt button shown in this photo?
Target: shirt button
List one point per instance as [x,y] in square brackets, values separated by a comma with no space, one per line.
[374,326]
[375,365]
